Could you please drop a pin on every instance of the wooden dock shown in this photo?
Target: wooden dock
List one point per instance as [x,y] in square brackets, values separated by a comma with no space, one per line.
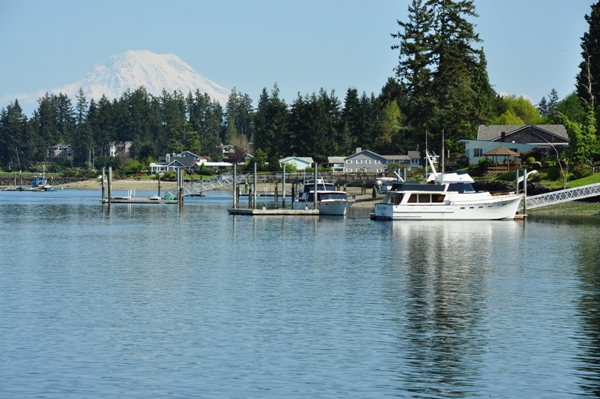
[272,212]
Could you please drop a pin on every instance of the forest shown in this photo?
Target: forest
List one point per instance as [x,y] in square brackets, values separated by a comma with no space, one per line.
[439,88]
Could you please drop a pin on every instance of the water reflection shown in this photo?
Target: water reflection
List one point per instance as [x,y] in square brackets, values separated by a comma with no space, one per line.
[442,270]
[587,257]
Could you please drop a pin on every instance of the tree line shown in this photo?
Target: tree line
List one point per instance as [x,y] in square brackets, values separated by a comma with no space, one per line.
[440,89]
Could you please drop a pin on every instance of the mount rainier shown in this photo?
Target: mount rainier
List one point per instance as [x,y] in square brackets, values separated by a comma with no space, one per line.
[155,72]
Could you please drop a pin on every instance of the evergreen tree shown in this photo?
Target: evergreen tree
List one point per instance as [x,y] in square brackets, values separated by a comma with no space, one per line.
[239,110]
[82,141]
[588,79]
[543,107]
[414,70]
[12,131]
[271,123]
[552,101]
[457,62]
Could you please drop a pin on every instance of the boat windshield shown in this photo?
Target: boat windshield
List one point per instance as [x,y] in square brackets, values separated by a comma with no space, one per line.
[320,187]
[327,196]
[461,187]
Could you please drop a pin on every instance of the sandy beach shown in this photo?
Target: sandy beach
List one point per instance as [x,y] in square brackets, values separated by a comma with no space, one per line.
[124,184]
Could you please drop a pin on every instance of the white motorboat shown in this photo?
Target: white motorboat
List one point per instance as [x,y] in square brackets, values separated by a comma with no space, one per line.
[446,196]
[329,200]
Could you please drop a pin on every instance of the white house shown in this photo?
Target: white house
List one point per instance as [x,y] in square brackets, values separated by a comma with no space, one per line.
[187,160]
[336,163]
[300,163]
[365,161]
[517,138]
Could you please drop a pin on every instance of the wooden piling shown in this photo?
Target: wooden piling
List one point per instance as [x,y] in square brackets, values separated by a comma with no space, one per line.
[109,185]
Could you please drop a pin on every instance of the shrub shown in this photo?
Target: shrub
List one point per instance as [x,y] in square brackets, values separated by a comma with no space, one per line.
[581,171]
[553,174]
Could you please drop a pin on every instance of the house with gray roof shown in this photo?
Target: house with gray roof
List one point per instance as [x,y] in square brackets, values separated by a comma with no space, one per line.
[336,163]
[517,138]
[366,161]
[300,163]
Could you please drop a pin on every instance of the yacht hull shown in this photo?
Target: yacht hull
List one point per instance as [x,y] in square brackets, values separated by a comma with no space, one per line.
[334,207]
[495,208]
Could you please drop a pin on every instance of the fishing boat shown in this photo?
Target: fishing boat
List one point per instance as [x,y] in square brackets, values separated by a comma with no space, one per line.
[445,196]
[329,200]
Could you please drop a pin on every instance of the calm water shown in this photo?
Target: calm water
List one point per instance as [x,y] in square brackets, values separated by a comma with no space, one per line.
[145,301]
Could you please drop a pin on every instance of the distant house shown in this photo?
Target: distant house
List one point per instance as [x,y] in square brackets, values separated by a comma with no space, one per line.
[60,150]
[516,138]
[365,161]
[121,148]
[300,163]
[187,160]
[226,150]
[415,159]
[336,164]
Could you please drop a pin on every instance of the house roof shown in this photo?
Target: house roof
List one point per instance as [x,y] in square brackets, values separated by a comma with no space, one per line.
[365,152]
[307,160]
[396,157]
[335,159]
[502,151]
[493,132]
[414,155]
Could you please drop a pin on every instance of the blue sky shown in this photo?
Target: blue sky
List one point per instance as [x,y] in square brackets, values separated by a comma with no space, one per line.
[531,46]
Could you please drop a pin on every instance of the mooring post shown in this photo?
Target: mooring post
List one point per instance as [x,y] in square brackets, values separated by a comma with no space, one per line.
[109,185]
[235,194]
[180,186]
[254,190]
[517,180]
[158,175]
[283,187]
[275,195]
[524,191]
[102,183]
[315,192]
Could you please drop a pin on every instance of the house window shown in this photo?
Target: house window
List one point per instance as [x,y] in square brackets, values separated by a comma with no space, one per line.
[349,161]
[477,152]
[359,161]
[368,161]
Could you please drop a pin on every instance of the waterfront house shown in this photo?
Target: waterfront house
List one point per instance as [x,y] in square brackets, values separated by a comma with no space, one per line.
[366,161]
[301,163]
[60,150]
[121,148]
[336,164]
[187,160]
[516,138]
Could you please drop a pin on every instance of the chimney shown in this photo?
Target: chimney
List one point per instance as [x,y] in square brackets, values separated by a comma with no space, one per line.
[358,149]
[503,137]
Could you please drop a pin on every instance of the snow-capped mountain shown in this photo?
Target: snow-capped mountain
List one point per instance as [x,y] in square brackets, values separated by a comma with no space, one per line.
[143,68]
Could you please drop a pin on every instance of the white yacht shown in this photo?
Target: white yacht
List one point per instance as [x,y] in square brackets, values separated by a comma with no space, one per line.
[329,200]
[446,196]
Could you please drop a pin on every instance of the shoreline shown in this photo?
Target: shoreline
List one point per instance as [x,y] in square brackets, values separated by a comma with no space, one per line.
[573,208]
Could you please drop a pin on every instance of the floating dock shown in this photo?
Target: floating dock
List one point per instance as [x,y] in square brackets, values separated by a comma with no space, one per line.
[274,212]
[138,200]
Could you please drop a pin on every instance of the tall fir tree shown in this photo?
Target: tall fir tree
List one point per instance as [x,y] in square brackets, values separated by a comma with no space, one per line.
[589,68]
[414,70]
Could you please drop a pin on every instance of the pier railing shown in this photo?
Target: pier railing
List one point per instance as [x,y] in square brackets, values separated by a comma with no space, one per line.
[557,197]
[221,181]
